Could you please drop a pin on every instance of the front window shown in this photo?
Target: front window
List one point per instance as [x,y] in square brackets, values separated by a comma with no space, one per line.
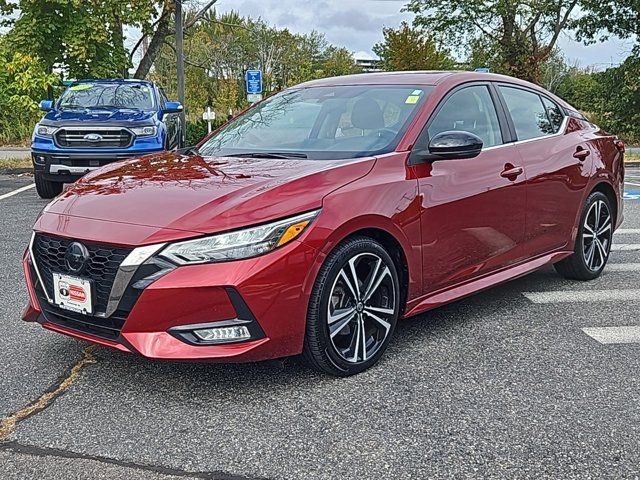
[471,110]
[322,123]
[138,96]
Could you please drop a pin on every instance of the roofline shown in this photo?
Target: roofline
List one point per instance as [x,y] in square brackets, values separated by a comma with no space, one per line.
[111,80]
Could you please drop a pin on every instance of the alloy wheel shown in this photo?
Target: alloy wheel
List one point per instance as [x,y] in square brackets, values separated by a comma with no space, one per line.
[362,303]
[597,233]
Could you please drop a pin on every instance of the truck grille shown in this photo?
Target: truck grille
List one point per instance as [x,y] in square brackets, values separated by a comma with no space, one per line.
[93,138]
[101,268]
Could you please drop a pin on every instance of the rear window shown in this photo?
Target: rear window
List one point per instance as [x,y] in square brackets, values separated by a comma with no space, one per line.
[528,113]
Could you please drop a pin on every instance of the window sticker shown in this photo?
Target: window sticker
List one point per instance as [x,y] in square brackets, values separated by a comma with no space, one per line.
[81,86]
[412,99]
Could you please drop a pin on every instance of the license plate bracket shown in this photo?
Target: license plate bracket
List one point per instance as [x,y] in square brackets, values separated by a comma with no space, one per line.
[73,293]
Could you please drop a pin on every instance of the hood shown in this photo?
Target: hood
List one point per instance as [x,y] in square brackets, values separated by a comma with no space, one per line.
[204,194]
[105,117]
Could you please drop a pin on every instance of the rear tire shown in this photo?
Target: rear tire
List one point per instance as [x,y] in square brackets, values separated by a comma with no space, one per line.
[47,188]
[353,309]
[593,241]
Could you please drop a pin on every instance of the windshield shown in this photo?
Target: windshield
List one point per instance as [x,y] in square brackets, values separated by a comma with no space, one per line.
[138,96]
[322,123]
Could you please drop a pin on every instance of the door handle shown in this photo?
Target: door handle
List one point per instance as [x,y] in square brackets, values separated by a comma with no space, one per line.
[511,172]
[581,154]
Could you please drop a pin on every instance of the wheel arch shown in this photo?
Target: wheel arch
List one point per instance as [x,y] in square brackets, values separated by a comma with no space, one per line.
[608,190]
[391,238]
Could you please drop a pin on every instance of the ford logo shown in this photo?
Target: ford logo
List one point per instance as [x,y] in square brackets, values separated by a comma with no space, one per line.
[93,137]
[76,257]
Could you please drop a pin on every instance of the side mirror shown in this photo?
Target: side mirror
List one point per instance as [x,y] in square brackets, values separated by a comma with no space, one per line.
[172,107]
[46,105]
[455,144]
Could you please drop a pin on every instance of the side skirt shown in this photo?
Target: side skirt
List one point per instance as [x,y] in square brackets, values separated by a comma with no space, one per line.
[450,294]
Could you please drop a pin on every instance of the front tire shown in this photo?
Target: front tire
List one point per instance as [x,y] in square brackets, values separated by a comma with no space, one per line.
[593,242]
[47,188]
[353,309]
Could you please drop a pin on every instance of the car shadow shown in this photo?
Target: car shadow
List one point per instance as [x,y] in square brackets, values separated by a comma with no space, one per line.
[446,322]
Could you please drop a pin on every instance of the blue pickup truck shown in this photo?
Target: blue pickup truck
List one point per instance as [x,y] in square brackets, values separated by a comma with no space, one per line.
[96,122]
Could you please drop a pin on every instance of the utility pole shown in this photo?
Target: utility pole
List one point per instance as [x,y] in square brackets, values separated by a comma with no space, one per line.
[180,67]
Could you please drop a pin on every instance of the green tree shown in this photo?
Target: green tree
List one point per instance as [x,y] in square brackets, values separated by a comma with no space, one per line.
[519,35]
[22,83]
[84,38]
[406,48]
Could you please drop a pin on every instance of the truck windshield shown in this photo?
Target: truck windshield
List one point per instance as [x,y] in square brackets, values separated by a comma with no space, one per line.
[138,96]
[337,122]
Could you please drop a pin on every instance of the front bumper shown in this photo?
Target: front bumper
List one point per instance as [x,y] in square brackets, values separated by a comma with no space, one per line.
[273,289]
[67,167]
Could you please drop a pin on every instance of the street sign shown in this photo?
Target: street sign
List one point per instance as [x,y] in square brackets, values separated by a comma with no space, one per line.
[254,97]
[482,70]
[209,115]
[254,81]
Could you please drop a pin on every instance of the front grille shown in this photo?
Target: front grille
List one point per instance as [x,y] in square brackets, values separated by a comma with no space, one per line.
[101,268]
[103,327]
[108,138]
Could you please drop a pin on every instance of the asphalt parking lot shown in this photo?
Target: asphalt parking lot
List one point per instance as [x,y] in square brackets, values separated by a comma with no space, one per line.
[518,381]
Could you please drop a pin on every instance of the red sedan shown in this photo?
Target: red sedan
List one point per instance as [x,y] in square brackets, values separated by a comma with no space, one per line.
[315,220]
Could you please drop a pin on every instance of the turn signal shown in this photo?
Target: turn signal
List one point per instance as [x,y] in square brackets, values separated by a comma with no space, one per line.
[292,232]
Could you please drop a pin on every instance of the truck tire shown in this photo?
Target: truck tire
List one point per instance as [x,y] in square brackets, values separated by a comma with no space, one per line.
[47,188]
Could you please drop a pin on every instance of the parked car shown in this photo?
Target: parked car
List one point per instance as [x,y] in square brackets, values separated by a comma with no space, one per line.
[96,122]
[406,191]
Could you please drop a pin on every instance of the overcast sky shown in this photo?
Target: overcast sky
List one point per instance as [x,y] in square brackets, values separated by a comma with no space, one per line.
[357,25]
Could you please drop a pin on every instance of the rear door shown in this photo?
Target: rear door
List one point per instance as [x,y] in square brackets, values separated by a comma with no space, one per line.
[557,163]
[473,209]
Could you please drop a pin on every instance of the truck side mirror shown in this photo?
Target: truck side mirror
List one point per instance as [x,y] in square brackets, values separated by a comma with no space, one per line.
[172,107]
[46,105]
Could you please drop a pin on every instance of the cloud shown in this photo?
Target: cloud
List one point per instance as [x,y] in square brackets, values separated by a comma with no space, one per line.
[354,24]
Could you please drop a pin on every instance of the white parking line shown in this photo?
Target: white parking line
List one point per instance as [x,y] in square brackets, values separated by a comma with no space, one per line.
[622,267]
[627,231]
[626,247]
[631,183]
[591,296]
[607,335]
[15,192]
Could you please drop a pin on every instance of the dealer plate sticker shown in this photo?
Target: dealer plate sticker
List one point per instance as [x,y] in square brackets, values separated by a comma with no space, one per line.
[72,293]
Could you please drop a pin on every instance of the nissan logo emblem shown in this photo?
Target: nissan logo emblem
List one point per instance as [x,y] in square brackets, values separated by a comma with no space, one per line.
[76,257]
[93,137]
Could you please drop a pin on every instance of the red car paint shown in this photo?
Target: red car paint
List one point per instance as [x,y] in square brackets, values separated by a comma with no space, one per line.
[460,225]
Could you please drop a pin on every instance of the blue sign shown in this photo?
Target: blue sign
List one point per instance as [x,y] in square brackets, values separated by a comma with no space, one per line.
[632,195]
[254,81]
[482,70]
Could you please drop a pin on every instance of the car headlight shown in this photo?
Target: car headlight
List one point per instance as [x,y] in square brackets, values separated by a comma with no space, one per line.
[245,243]
[45,130]
[147,131]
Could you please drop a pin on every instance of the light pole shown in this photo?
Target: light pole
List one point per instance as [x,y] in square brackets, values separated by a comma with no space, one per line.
[180,68]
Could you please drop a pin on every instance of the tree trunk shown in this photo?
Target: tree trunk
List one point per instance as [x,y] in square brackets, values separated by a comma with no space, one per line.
[157,40]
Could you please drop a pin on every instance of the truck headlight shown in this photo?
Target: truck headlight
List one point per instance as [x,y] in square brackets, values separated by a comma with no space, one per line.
[45,130]
[245,243]
[147,131]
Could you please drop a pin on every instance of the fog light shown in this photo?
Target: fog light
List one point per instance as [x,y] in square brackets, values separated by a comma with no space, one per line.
[40,159]
[223,334]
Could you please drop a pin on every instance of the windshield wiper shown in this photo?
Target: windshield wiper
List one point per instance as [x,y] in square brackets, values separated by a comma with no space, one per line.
[283,155]
[110,107]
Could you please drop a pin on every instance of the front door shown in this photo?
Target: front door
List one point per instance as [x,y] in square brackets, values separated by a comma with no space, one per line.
[473,217]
